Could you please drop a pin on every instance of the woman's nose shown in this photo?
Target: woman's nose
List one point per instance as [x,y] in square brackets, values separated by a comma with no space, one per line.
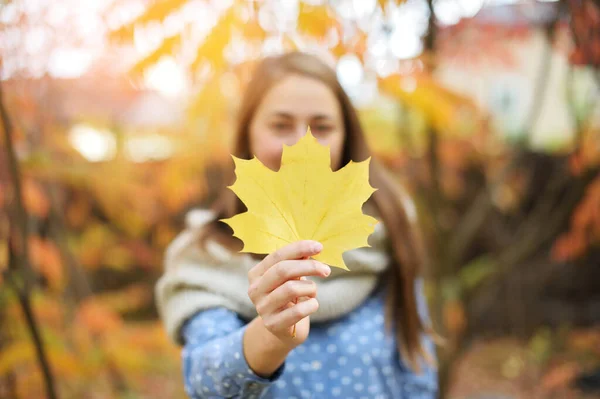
[296,133]
[300,131]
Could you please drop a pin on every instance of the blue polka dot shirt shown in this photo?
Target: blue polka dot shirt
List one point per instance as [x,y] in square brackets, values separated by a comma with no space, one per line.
[350,357]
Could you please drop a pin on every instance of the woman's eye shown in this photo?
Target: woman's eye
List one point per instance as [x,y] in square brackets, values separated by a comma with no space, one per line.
[322,129]
[280,126]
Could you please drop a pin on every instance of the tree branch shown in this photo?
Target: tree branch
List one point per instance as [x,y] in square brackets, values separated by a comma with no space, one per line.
[78,284]
[435,199]
[539,95]
[24,301]
[20,264]
[579,124]
[482,206]
[534,239]
[587,56]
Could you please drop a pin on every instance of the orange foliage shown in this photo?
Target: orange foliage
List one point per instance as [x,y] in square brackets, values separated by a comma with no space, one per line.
[586,24]
[455,318]
[163,235]
[588,153]
[585,226]
[471,44]
[3,194]
[36,201]
[584,341]
[97,318]
[560,376]
[78,212]
[46,259]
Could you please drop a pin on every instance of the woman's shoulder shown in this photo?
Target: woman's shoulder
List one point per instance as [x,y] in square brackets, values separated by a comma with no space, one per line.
[187,244]
[199,217]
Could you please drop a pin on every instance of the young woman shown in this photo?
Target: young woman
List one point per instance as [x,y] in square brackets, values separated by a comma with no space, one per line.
[234,312]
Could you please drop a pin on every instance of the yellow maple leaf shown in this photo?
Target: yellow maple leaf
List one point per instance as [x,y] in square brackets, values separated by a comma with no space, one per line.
[304,200]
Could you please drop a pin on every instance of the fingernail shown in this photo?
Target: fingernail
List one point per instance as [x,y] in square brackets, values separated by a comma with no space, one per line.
[327,270]
[317,247]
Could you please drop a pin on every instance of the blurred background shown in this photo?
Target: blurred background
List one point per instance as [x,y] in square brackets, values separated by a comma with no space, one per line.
[117,113]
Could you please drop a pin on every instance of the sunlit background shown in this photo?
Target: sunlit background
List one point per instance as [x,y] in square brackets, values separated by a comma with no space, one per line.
[117,115]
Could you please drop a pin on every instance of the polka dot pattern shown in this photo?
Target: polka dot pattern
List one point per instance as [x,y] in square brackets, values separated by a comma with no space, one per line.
[213,363]
[351,357]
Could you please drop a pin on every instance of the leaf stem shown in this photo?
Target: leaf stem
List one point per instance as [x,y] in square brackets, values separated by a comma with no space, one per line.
[294,328]
[295,303]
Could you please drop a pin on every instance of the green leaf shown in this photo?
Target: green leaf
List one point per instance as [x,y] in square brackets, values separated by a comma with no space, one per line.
[474,272]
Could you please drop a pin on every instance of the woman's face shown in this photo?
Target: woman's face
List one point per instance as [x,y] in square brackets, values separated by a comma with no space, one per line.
[284,114]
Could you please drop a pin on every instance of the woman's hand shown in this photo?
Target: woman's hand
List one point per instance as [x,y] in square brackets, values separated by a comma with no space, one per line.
[278,280]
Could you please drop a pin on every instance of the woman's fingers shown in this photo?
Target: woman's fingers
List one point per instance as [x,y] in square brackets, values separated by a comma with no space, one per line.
[286,293]
[281,322]
[279,289]
[295,250]
[288,270]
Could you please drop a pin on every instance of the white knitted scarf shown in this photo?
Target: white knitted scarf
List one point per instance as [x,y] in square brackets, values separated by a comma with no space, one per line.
[194,280]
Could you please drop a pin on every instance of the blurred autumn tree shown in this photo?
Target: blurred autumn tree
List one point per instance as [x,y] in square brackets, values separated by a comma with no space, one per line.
[486,215]
[522,208]
[81,242]
[94,232]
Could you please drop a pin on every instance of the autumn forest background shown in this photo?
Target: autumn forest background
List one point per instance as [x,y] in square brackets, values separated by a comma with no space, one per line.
[116,115]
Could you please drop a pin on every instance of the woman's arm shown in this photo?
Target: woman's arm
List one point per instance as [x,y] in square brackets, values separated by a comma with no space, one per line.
[264,352]
[215,356]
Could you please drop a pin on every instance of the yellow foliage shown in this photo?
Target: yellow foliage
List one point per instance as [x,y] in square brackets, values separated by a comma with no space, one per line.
[65,364]
[356,45]
[169,46]
[3,259]
[210,100]
[384,4]
[93,243]
[127,357]
[119,258]
[157,11]
[178,187]
[16,355]
[128,299]
[133,223]
[212,109]
[48,310]
[381,129]
[316,21]
[163,235]
[442,108]
[252,31]
[212,49]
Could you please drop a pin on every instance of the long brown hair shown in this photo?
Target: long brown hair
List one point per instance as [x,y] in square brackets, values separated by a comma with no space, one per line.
[406,244]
